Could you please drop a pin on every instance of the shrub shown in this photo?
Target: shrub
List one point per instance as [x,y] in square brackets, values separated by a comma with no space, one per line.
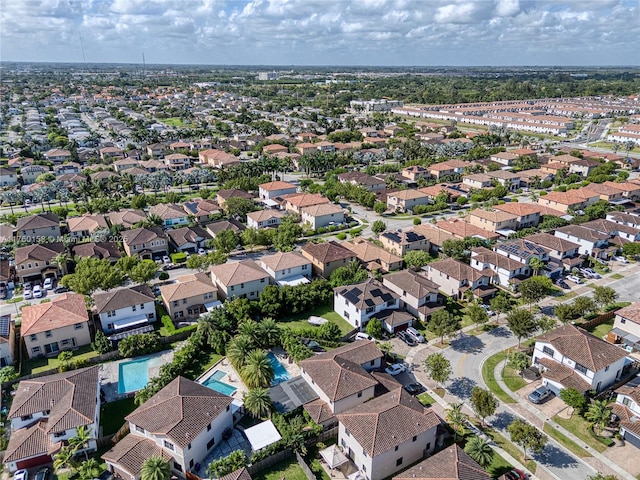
[139,344]
[321,230]
[341,236]
[179,257]
[100,343]
[353,224]
[417,221]
[163,276]
[332,228]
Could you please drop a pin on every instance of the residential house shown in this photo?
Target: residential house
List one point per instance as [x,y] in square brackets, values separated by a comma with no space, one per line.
[627,410]
[8,177]
[177,161]
[326,257]
[509,180]
[626,328]
[613,229]
[322,215]
[434,235]
[30,173]
[49,328]
[583,167]
[121,309]
[608,193]
[287,268]
[387,433]
[224,195]
[127,217]
[416,172]
[451,463]
[434,192]
[373,257]
[181,423]
[270,190]
[371,183]
[175,146]
[532,178]
[274,148]
[218,158]
[71,168]
[171,214]
[358,303]
[107,154]
[418,295]
[243,279]
[442,170]
[571,357]
[495,221]
[455,278]
[400,242]
[188,239]
[406,200]
[48,411]
[571,199]
[504,158]
[215,228]
[478,181]
[7,340]
[146,242]
[630,190]
[125,164]
[38,261]
[462,229]
[624,218]
[155,150]
[101,250]
[592,243]
[86,225]
[38,227]
[201,210]
[527,214]
[560,250]
[508,270]
[295,202]
[268,218]
[57,155]
[153,166]
[189,297]
[523,250]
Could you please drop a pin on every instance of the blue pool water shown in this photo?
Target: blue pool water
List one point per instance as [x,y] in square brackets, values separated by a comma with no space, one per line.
[134,375]
[280,373]
[214,383]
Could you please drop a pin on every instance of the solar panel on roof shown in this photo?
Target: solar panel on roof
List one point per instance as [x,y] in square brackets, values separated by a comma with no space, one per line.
[4,325]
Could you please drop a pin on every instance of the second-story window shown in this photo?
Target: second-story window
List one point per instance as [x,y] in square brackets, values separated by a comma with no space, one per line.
[169,445]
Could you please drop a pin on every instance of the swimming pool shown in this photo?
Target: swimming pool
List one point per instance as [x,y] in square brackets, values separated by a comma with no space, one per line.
[134,374]
[214,383]
[280,373]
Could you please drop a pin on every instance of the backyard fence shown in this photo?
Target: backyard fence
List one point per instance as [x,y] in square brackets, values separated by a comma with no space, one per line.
[305,468]
[599,320]
[270,461]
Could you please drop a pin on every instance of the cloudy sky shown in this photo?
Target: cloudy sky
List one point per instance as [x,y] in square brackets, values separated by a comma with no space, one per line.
[323,32]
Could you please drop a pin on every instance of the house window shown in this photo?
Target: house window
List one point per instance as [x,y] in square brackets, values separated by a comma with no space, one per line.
[345,314]
[111,313]
[133,308]
[139,429]
[346,432]
[24,418]
[623,320]
[177,466]
[396,449]
[399,462]
[142,306]
[209,428]
[262,280]
[415,437]
[370,309]
[428,447]
[47,334]
[64,342]
[60,434]
[189,447]
[77,326]
[176,303]
[626,401]
[184,301]
[169,445]
[211,443]
[344,444]
[191,463]
[359,394]
[548,351]
[581,368]
[606,369]
[34,337]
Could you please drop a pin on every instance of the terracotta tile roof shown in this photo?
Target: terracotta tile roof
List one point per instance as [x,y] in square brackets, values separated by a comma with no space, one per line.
[319,411]
[493,216]
[435,235]
[604,189]
[323,209]
[108,250]
[234,192]
[327,252]
[570,197]
[122,298]
[522,247]
[271,186]
[301,200]
[64,311]
[386,421]
[284,260]
[131,452]
[408,194]
[182,236]
[368,252]
[235,273]
[631,313]
[32,441]
[552,242]
[582,233]
[462,229]
[608,227]
[367,294]
[582,347]
[222,225]
[40,251]
[167,211]
[484,255]
[180,411]
[138,236]
[71,398]
[565,376]
[631,391]
[240,474]
[415,284]
[503,175]
[519,209]
[458,270]
[90,223]
[264,215]
[394,318]
[188,286]
[41,220]
[452,463]
[127,217]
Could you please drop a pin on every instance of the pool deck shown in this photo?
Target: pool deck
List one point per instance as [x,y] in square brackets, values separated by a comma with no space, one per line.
[231,378]
[109,373]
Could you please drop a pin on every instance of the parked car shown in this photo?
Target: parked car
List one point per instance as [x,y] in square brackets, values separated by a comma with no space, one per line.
[38,292]
[363,336]
[413,388]
[395,369]
[417,336]
[562,284]
[27,295]
[60,289]
[487,309]
[27,286]
[43,474]
[48,283]
[21,475]
[621,259]
[406,338]
[166,259]
[540,394]
[4,292]
[574,279]
[202,251]
[589,273]
[515,474]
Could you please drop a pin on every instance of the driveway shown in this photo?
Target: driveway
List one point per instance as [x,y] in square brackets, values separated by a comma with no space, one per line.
[550,407]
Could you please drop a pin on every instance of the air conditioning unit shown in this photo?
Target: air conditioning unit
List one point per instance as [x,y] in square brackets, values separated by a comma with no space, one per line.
[628,348]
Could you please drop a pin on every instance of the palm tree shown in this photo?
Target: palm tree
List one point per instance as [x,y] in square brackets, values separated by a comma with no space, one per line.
[238,350]
[599,415]
[257,370]
[257,402]
[81,439]
[156,468]
[248,327]
[457,419]
[64,459]
[536,265]
[267,333]
[480,451]
[88,469]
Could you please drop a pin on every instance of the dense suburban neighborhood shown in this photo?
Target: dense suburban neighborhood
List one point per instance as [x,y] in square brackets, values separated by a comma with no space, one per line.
[205,281]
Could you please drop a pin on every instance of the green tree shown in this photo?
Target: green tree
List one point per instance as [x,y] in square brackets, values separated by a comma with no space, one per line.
[417,258]
[226,241]
[573,398]
[257,402]
[546,323]
[583,305]
[267,333]
[287,234]
[438,368]
[64,359]
[238,207]
[374,328]
[443,323]
[257,371]
[92,274]
[565,312]
[238,350]
[535,289]
[352,273]
[479,450]
[477,314]
[457,419]
[144,271]
[519,361]
[536,265]
[604,296]
[224,466]
[527,436]
[501,303]
[65,458]
[483,403]
[80,441]
[599,415]
[378,227]
[156,468]
[379,207]
[522,323]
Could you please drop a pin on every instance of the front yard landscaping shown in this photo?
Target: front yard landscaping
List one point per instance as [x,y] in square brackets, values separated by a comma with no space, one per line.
[289,469]
[566,441]
[37,365]
[579,427]
[488,376]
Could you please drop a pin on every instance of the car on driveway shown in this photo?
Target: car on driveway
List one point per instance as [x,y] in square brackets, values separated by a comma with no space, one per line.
[540,394]
[395,369]
[413,388]
[43,474]
[363,336]
[60,289]
[417,336]
[166,259]
[48,283]
[621,259]
[27,295]
[406,338]
[37,292]
[590,273]
[515,474]
[562,284]
[574,279]
[21,475]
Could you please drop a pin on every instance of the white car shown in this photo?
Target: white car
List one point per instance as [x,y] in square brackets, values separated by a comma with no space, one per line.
[490,312]
[21,475]
[395,369]
[574,279]
[48,284]
[415,334]
[363,336]
[621,259]
[166,259]
[27,295]
[37,292]
[202,251]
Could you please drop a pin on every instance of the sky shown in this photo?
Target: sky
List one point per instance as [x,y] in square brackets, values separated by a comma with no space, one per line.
[323,32]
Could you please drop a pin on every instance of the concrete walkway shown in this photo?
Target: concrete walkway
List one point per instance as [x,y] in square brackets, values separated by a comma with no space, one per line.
[604,462]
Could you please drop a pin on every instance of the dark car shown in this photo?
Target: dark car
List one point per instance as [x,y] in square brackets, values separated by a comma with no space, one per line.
[406,338]
[540,394]
[515,474]
[413,388]
[60,289]
[43,474]
[562,284]
[3,292]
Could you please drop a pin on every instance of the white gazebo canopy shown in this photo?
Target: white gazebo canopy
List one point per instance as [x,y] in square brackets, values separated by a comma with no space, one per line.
[333,456]
[262,435]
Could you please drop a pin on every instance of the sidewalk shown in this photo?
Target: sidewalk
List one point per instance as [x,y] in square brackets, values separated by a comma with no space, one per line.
[539,416]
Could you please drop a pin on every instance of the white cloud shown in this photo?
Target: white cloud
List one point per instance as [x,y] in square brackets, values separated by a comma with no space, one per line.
[507,8]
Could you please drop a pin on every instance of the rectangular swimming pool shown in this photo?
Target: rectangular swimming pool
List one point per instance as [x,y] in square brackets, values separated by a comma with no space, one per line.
[214,383]
[134,374]
[280,374]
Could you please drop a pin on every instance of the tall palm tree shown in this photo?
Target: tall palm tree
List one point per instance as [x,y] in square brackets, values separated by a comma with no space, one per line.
[457,419]
[156,468]
[268,333]
[257,370]
[257,402]
[238,350]
[81,439]
[536,265]
[64,459]
[480,451]
[88,469]
[249,328]
[599,415]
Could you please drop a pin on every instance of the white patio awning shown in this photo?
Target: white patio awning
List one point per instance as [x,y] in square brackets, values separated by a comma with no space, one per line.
[262,435]
[129,322]
[293,281]
[212,305]
[333,456]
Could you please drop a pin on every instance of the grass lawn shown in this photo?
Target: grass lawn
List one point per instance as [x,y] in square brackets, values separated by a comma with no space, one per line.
[14,300]
[202,364]
[487,327]
[499,466]
[426,399]
[112,414]
[617,276]
[565,441]
[487,374]
[37,365]
[566,296]
[288,469]
[601,330]
[511,449]
[512,379]
[324,311]
[578,426]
